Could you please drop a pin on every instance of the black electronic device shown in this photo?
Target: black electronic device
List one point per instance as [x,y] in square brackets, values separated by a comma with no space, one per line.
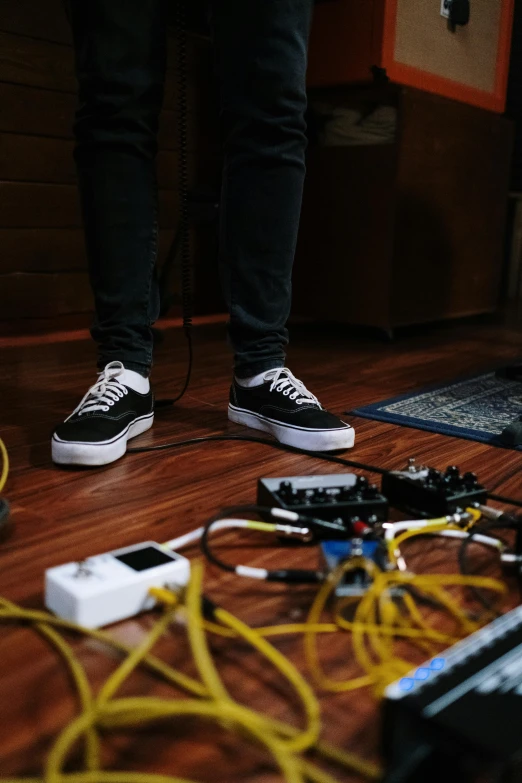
[343,497]
[458,717]
[459,12]
[428,492]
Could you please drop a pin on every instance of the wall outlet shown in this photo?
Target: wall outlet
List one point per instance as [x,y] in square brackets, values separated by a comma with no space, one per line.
[445,8]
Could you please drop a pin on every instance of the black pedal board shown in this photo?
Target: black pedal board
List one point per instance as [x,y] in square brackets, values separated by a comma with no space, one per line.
[460,713]
[426,492]
[343,497]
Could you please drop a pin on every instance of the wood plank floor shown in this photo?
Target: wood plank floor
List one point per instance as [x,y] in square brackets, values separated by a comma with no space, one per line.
[63,515]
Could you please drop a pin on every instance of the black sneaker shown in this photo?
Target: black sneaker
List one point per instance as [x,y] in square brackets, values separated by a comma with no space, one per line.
[285,408]
[97,431]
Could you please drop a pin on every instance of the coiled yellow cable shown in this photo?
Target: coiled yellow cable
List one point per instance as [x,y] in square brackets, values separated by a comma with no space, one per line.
[282,741]
[385,614]
[378,622]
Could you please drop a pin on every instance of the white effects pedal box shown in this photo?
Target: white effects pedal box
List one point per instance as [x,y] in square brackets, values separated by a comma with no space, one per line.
[113,586]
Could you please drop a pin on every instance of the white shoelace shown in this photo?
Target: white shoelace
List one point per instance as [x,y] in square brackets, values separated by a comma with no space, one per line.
[104,393]
[283,381]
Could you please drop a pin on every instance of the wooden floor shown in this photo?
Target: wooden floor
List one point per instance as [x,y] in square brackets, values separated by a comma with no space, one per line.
[67,515]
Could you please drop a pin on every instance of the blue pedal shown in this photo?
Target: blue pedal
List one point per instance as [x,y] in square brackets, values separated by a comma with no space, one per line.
[355,582]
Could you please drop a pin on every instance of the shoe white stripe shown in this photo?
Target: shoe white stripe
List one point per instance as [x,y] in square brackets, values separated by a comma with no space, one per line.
[288,426]
[105,442]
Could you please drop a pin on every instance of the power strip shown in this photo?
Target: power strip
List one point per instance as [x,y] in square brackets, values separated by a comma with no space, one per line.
[113,586]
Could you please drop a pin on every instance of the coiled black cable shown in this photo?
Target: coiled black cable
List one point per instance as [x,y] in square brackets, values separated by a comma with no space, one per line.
[286,575]
[183,239]
[186,268]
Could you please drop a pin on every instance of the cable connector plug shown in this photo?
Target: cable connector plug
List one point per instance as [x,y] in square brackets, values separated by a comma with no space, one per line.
[295,576]
[318,529]
[289,531]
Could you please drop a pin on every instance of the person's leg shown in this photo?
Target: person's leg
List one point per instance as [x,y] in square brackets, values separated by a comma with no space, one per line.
[261,54]
[261,50]
[120,50]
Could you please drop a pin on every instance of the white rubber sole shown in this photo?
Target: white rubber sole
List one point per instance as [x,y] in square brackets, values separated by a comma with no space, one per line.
[94,454]
[298,437]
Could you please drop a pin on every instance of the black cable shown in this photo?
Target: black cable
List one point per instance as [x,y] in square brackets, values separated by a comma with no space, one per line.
[295,576]
[186,267]
[253,439]
[284,447]
[505,522]
[211,557]
[5,522]
[506,500]
[182,238]
[164,402]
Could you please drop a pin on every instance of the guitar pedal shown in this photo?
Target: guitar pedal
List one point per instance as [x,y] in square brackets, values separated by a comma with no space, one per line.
[340,497]
[107,588]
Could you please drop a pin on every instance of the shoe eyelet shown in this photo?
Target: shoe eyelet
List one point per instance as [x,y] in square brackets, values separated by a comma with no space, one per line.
[111,403]
[286,392]
[105,408]
[294,396]
[280,388]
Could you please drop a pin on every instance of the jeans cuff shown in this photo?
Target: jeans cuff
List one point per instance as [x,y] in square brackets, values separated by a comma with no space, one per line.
[142,369]
[250,369]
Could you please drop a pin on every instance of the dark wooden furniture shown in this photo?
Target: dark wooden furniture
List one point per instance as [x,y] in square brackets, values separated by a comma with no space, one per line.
[407,232]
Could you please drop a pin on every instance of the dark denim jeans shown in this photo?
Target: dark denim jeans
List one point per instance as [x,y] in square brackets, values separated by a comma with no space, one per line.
[261,62]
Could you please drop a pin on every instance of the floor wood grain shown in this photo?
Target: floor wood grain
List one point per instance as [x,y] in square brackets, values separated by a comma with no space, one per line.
[61,515]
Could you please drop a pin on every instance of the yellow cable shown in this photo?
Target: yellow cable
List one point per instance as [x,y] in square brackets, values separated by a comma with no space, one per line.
[366,769]
[327,751]
[432,526]
[171,675]
[272,630]
[198,643]
[293,769]
[376,624]
[208,672]
[476,515]
[120,713]
[308,737]
[5,465]
[310,641]
[406,633]
[106,777]
[315,774]
[80,680]
[387,669]
[266,527]
[117,678]
[435,527]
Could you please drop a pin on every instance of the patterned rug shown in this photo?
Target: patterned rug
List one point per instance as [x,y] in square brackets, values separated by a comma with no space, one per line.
[476,408]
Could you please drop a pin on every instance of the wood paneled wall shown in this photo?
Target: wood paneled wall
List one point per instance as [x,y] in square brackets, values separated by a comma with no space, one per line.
[42,259]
